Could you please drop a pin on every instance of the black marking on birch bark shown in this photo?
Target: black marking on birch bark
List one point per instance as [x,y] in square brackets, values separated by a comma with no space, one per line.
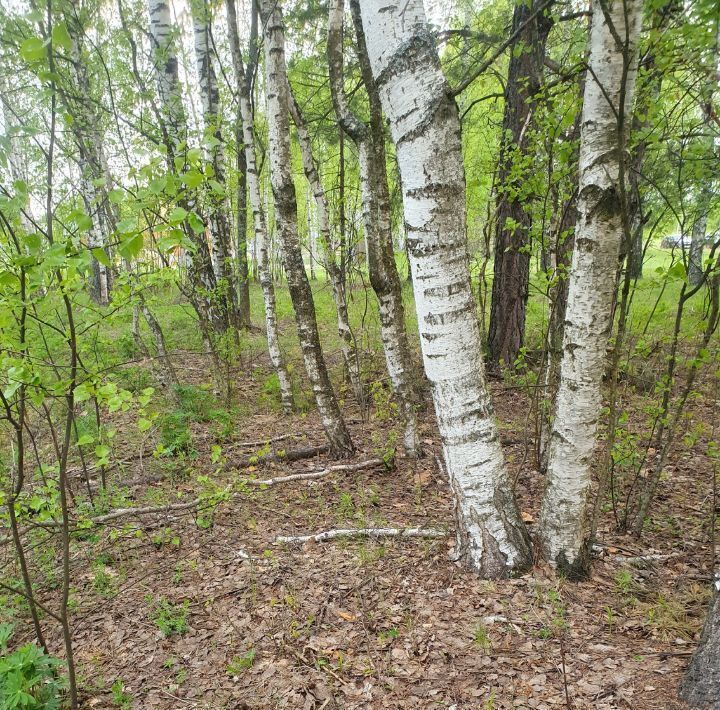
[438,108]
[417,50]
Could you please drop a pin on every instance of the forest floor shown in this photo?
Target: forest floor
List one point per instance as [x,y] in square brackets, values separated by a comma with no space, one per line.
[206,610]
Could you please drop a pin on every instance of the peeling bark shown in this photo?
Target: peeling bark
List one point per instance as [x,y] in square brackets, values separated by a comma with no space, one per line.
[256,205]
[283,187]
[609,90]
[384,278]
[426,130]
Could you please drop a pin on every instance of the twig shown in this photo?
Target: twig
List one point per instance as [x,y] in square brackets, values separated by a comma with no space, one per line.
[362,532]
[337,468]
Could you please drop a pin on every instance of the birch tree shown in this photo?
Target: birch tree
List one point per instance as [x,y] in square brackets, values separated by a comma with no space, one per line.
[241,246]
[283,188]
[347,337]
[244,82]
[218,204]
[370,141]
[174,129]
[599,232]
[426,130]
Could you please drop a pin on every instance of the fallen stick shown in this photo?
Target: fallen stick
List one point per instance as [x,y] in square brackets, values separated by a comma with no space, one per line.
[175,507]
[362,532]
[311,475]
[261,442]
[292,455]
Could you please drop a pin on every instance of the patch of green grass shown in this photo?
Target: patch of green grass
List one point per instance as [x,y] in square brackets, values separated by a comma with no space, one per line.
[175,435]
[240,664]
[120,698]
[170,618]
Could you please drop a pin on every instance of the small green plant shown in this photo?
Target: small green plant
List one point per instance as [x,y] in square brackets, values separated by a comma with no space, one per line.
[389,635]
[103,582]
[29,678]
[346,506]
[624,582]
[240,664]
[175,436]
[481,637]
[171,618]
[121,699]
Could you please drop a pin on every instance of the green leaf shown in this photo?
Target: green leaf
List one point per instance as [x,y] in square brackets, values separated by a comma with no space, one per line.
[116,196]
[192,178]
[177,215]
[217,187]
[32,49]
[61,37]
[101,256]
[85,439]
[131,247]
[196,223]
[157,185]
[125,226]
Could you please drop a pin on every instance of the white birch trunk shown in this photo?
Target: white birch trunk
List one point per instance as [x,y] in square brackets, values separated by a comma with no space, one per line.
[174,128]
[426,130]
[608,95]
[347,338]
[283,187]
[260,240]
[166,68]
[218,205]
[370,141]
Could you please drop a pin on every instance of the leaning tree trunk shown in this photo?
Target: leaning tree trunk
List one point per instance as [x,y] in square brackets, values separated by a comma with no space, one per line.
[598,235]
[261,240]
[426,130]
[370,140]
[347,337]
[218,204]
[700,687]
[283,187]
[513,223]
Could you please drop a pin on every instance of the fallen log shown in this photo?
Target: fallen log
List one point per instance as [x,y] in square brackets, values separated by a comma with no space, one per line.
[362,532]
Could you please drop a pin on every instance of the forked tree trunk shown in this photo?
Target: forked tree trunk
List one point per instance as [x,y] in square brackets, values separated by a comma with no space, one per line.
[426,130]
[277,89]
[370,140]
[513,223]
[256,203]
[599,232]
[347,337]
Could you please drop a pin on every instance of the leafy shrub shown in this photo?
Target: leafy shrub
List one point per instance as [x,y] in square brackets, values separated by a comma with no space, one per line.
[175,435]
[29,678]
